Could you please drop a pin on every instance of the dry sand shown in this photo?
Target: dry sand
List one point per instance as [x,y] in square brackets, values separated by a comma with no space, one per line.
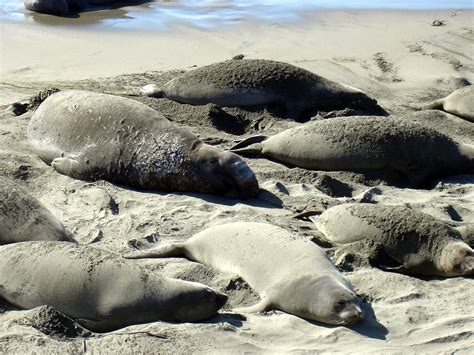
[396,57]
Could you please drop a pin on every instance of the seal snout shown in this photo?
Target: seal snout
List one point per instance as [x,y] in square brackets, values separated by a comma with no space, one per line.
[351,314]
[221,299]
[242,175]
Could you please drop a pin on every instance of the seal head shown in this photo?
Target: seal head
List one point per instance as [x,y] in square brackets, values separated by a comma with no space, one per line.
[456,259]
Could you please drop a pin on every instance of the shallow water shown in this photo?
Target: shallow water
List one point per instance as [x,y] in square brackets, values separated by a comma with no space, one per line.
[163,14]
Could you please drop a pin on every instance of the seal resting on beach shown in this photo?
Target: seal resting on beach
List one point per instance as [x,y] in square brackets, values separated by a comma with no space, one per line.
[258,82]
[93,136]
[101,291]
[289,273]
[362,144]
[459,103]
[24,218]
[418,243]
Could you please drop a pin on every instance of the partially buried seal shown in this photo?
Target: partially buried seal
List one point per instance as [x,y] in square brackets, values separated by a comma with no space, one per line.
[101,291]
[257,82]
[24,218]
[93,136]
[289,273]
[414,151]
[418,243]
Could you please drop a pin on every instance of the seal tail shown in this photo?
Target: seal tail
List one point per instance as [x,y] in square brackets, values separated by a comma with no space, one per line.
[171,250]
[251,145]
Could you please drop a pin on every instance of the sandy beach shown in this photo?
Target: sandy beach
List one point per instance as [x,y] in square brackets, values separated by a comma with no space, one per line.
[395,56]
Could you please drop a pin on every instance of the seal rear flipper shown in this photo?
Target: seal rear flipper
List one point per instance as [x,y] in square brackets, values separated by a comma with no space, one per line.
[261,306]
[163,251]
[151,90]
[251,145]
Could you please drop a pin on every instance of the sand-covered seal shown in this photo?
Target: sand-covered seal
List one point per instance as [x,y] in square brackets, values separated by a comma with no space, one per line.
[417,242]
[24,218]
[459,103]
[289,273]
[93,136]
[258,82]
[409,149]
[101,291]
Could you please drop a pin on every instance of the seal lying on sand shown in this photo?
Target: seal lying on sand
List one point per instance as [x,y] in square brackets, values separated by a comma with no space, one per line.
[366,143]
[64,7]
[419,243]
[459,103]
[257,82]
[24,218]
[101,291]
[289,273]
[93,136]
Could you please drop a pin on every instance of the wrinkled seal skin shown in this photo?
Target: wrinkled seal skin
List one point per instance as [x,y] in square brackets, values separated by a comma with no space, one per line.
[99,290]
[24,218]
[289,273]
[257,82]
[421,244]
[93,136]
[415,151]
[459,103]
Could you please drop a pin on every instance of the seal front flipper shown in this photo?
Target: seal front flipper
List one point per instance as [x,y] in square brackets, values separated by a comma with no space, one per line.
[170,250]
[260,307]
[400,269]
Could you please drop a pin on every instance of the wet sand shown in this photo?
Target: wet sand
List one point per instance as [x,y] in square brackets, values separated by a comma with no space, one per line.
[395,56]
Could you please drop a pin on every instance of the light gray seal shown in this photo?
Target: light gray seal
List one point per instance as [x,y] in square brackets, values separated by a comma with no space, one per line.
[24,218]
[101,291]
[258,82]
[289,273]
[409,149]
[417,242]
[459,103]
[93,136]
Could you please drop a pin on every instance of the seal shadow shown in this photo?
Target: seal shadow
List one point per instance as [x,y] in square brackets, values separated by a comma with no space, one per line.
[234,319]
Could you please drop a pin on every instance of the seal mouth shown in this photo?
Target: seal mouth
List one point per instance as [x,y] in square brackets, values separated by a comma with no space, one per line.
[351,314]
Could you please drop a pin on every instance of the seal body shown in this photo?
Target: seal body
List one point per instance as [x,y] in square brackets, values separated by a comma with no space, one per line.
[289,273]
[419,243]
[64,7]
[101,291]
[415,151]
[93,136]
[459,103]
[24,218]
[256,82]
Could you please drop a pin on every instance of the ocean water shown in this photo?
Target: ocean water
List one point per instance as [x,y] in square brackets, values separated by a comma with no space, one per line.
[163,14]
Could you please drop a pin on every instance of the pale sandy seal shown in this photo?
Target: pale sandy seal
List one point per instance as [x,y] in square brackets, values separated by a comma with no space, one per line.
[289,273]
[257,82]
[101,291]
[412,150]
[459,103]
[93,136]
[417,242]
[24,218]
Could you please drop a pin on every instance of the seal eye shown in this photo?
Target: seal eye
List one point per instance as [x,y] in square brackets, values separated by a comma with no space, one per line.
[213,161]
[340,305]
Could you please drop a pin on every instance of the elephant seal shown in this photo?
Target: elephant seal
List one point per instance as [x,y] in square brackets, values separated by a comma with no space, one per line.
[101,291]
[65,7]
[258,82]
[289,273]
[92,136]
[415,151]
[459,103]
[24,218]
[419,243]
